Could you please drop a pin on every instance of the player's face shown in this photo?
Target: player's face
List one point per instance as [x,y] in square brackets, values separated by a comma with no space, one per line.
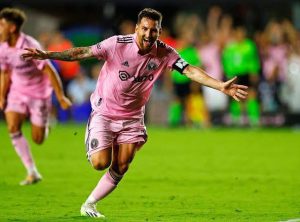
[147,32]
[6,29]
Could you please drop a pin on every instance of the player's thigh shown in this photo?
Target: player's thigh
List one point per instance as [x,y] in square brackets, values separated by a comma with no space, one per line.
[123,154]
[39,110]
[14,121]
[38,133]
[99,138]
[101,159]
[15,111]
[127,152]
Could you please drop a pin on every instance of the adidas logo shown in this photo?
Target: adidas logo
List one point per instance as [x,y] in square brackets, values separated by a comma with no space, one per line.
[125,63]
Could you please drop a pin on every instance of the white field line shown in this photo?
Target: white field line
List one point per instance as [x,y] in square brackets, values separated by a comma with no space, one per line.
[291,220]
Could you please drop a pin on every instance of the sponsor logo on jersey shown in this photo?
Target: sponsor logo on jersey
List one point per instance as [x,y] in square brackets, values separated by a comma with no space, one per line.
[143,78]
[123,75]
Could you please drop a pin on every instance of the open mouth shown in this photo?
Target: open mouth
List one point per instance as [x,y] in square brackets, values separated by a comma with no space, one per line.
[147,42]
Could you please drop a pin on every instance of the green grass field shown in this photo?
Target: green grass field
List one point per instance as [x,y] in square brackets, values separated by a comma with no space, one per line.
[179,175]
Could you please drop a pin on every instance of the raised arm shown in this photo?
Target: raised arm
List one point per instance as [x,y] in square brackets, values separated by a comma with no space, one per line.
[72,54]
[238,92]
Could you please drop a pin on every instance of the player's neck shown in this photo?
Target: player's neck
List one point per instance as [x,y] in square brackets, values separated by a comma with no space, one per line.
[12,41]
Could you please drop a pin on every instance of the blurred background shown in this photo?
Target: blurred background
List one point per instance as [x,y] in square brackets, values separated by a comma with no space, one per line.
[258,41]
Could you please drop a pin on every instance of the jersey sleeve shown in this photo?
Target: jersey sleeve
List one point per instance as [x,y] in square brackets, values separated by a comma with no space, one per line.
[175,62]
[104,50]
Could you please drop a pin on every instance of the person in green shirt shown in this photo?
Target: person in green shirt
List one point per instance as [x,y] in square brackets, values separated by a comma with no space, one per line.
[240,58]
[181,84]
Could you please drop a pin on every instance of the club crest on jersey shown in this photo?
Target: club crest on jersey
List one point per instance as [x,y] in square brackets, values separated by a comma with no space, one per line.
[99,46]
[123,75]
[94,143]
[151,66]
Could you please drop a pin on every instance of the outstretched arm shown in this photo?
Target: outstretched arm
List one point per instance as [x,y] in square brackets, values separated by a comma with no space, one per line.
[72,54]
[238,92]
[64,102]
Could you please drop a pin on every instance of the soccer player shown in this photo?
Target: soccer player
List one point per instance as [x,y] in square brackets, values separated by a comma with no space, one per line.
[116,130]
[25,89]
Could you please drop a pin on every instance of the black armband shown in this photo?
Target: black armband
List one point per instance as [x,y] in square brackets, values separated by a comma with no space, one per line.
[180,65]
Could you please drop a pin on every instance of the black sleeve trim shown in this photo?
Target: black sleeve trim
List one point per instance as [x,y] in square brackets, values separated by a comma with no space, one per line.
[179,65]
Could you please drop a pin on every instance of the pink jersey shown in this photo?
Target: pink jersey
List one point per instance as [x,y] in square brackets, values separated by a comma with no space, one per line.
[210,56]
[277,58]
[126,79]
[27,77]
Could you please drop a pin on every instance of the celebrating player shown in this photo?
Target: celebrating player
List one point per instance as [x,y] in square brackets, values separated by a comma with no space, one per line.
[116,130]
[25,88]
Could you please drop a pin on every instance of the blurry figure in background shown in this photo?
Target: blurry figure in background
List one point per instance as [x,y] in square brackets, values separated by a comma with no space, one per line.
[45,39]
[167,38]
[66,70]
[95,70]
[226,30]
[181,84]
[211,42]
[197,113]
[240,57]
[79,90]
[274,64]
[25,89]
[290,93]
[126,27]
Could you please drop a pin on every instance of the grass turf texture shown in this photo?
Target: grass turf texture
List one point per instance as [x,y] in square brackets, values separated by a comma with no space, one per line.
[179,175]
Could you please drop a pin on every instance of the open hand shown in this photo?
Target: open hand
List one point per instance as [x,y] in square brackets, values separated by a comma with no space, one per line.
[238,92]
[33,54]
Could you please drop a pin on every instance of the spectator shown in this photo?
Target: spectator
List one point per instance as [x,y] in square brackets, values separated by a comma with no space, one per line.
[181,84]
[79,91]
[240,57]
[68,70]
[274,70]
[197,113]
[210,53]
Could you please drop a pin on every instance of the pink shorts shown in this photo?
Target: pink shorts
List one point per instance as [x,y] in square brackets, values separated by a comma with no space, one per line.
[37,109]
[102,132]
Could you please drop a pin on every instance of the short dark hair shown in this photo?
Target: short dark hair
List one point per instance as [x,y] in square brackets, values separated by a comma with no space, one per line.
[13,15]
[151,14]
